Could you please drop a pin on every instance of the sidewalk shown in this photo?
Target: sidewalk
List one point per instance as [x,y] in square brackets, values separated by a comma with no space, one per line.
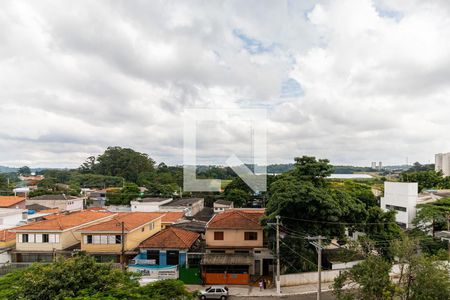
[243,290]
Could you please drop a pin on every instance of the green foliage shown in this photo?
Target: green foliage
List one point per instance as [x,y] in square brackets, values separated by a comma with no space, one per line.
[240,198]
[95,181]
[368,280]
[425,179]
[307,168]
[24,171]
[66,278]
[81,278]
[123,196]
[120,162]
[169,289]
[434,215]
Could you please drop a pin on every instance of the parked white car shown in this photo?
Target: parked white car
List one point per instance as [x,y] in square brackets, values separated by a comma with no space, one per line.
[214,292]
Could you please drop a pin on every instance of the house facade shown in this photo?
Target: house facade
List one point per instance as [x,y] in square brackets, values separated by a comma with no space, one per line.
[164,250]
[116,239]
[235,248]
[56,235]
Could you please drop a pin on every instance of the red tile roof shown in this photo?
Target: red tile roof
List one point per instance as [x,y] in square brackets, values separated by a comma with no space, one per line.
[8,201]
[6,235]
[65,221]
[132,220]
[172,217]
[174,238]
[237,219]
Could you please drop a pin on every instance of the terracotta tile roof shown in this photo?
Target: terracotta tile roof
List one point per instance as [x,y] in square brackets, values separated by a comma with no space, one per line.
[65,221]
[172,217]
[7,201]
[6,235]
[237,219]
[132,220]
[174,238]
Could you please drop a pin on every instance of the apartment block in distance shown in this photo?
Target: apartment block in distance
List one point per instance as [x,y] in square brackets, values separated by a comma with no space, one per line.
[442,163]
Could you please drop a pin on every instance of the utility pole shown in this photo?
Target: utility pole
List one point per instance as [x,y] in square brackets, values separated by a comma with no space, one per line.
[318,246]
[277,276]
[278,283]
[122,242]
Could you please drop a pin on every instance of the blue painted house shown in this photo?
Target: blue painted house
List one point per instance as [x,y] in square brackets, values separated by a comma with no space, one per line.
[165,250]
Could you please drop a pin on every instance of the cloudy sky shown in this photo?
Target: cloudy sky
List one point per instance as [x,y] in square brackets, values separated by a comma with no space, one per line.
[354,81]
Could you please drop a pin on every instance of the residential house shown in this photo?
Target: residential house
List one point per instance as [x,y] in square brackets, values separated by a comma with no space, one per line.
[10,217]
[7,242]
[235,248]
[117,238]
[149,204]
[12,202]
[170,218]
[190,206]
[61,201]
[167,248]
[56,235]
[222,205]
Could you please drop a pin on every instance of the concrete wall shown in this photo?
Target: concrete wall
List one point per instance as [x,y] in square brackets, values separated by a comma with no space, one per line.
[234,238]
[307,278]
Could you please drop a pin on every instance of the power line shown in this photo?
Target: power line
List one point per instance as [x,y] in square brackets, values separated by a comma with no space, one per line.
[340,223]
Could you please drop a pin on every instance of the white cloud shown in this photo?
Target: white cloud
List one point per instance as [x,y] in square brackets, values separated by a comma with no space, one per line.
[77,77]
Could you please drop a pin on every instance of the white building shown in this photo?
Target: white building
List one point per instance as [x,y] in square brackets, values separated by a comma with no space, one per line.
[401,197]
[442,163]
[149,204]
[222,205]
[10,217]
[61,201]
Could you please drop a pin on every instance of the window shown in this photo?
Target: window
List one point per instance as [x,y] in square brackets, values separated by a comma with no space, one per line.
[89,239]
[250,236]
[217,251]
[103,239]
[142,229]
[45,238]
[111,239]
[151,226]
[397,208]
[118,239]
[218,235]
[25,238]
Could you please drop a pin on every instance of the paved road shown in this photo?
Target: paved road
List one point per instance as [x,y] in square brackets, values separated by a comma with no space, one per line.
[324,296]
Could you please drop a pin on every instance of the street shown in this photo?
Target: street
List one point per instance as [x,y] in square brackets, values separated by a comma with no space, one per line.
[313,296]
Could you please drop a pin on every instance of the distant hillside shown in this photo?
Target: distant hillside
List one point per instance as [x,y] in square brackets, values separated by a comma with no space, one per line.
[4,169]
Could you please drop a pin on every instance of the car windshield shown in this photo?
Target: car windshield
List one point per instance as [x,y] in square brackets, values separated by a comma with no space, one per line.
[207,290]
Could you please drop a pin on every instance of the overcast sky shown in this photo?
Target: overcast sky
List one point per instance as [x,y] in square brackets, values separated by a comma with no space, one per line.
[354,81]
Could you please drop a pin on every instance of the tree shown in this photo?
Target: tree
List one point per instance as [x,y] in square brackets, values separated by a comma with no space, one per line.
[309,205]
[425,179]
[129,192]
[169,289]
[431,215]
[67,278]
[238,197]
[368,280]
[121,162]
[24,171]
[307,168]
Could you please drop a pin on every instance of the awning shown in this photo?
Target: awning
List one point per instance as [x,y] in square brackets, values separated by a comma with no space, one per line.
[226,259]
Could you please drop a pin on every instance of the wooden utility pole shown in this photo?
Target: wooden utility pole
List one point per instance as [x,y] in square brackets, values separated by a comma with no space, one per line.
[318,246]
